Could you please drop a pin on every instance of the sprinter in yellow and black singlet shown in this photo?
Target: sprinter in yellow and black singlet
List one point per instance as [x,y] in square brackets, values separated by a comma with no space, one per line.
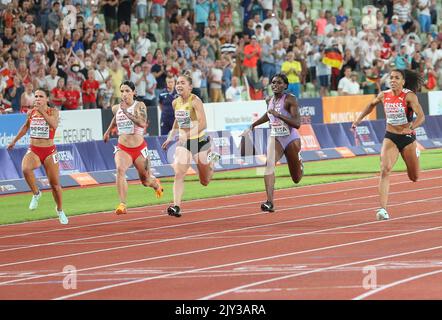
[193,143]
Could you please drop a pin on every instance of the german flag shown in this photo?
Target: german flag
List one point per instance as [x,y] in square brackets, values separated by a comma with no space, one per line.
[333,58]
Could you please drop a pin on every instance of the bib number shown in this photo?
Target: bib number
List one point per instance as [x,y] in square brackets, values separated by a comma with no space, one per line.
[56,157]
[145,153]
[126,127]
[39,130]
[183,119]
[279,129]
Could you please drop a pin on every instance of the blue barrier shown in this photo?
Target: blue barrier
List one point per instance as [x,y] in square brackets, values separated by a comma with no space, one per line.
[94,160]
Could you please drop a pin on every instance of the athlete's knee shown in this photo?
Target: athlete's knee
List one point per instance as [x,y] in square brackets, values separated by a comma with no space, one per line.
[413,176]
[120,171]
[55,186]
[27,171]
[204,181]
[296,179]
[386,170]
[180,175]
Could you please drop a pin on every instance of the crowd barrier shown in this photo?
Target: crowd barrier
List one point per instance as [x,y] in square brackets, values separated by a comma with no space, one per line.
[92,162]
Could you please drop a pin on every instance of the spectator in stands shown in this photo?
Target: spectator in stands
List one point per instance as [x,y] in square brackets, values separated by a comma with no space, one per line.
[14,94]
[403,60]
[39,80]
[323,72]
[402,9]
[89,90]
[52,78]
[166,98]
[341,16]
[400,136]
[190,123]
[234,92]
[55,17]
[252,53]
[215,82]
[106,98]
[395,27]
[116,73]
[27,98]
[268,58]
[348,85]
[57,97]
[283,115]
[72,97]
[130,118]
[433,54]
[293,71]
[109,8]
[42,122]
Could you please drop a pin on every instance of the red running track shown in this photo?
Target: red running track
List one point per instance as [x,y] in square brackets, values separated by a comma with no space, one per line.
[323,242]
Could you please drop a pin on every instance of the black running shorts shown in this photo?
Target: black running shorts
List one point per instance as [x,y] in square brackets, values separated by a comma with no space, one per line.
[401,140]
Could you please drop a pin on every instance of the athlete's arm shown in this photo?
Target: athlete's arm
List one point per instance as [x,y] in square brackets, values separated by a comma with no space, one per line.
[413,102]
[140,114]
[52,119]
[368,109]
[24,128]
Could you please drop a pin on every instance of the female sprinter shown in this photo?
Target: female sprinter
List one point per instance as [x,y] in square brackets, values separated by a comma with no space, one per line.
[190,123]
[284,117]
[130,117]
[42,122]
[400,102]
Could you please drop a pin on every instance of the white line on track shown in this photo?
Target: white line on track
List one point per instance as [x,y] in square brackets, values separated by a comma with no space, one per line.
[267,258]
[209,208]
[217,219]
[244,244]
[209,233]
[396,283]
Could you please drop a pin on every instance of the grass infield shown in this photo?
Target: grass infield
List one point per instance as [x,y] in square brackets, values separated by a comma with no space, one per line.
[14,208]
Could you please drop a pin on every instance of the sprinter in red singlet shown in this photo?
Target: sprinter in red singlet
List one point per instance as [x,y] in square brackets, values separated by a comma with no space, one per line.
[400,103]
[42,121]
[130,117]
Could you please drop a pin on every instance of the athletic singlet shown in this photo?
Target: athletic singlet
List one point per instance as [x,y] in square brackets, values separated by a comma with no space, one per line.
[39,128]
[125,125]
[396,109]
[185,115]
[279,128]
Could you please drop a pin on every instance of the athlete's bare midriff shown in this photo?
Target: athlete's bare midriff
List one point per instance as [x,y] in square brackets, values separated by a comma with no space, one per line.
[130,140]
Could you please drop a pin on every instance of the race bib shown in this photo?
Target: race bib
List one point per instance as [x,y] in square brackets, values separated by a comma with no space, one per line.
[56,157]
[39,128]
[279,129]
[183,119]
[125,126]
[145,153]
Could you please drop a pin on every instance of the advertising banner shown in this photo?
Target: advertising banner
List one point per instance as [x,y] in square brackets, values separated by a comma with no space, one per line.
[346,108]
[311,110]
[435,103]
[9,126]
[79,126]
[308,138]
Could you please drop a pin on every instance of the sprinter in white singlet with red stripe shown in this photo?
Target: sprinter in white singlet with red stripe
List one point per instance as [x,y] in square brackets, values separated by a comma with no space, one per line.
[400,103]
[130,117]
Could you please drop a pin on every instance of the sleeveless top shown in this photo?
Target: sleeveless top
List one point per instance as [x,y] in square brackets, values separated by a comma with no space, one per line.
[185,115]
[279,128]
[125,125]
[396,109]
[39,128]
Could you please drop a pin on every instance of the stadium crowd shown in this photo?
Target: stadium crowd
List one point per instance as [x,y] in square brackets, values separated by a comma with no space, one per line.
[82,50]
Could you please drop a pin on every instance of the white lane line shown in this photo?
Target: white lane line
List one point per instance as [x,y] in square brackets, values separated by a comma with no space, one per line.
[238,245]
[396,283]
[211,199]
[266,258]
[211,220]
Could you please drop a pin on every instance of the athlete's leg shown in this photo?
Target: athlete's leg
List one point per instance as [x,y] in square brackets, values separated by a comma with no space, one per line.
[389,156]
[146,177]
[205,167]
[29,163]
[183,157]
[411,160]
[122,162]
[293,161]
[274,154]
[52,171]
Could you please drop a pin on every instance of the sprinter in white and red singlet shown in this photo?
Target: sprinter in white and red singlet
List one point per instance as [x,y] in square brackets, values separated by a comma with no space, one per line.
[400,105]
